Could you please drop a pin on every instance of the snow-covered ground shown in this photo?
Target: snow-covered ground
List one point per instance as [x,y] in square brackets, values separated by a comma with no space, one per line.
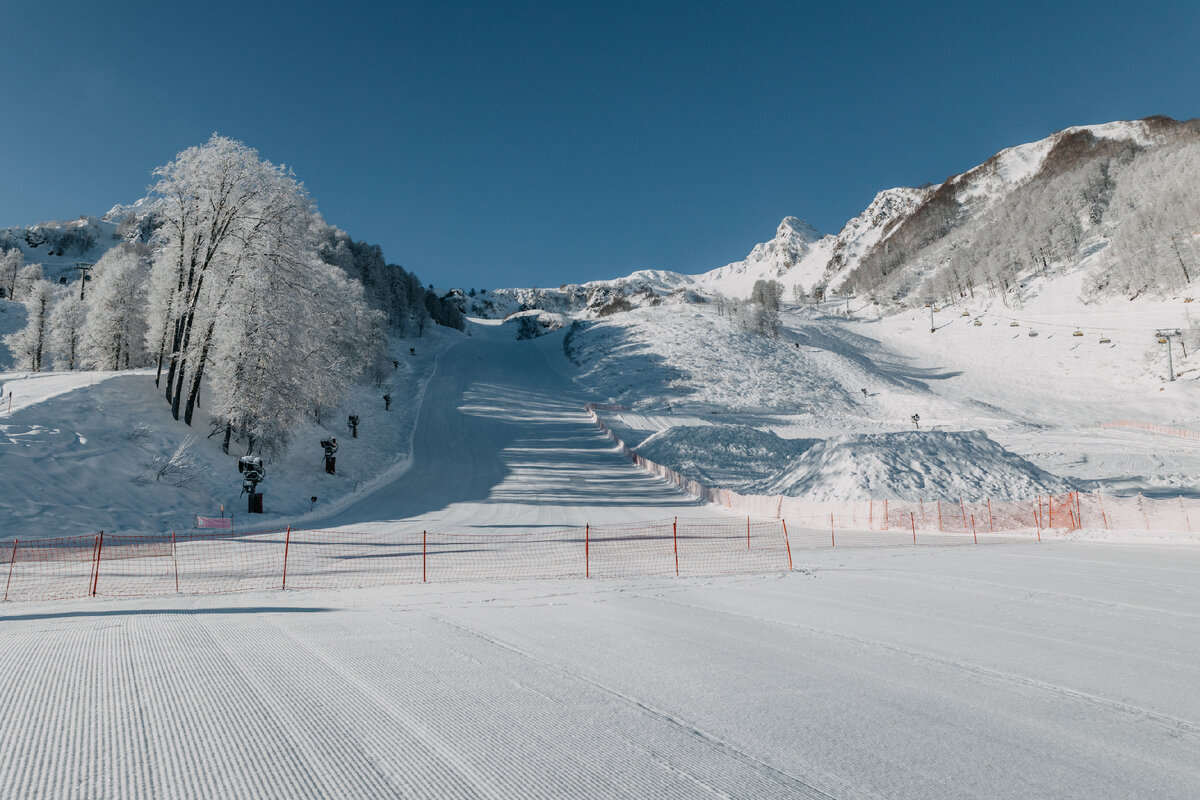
[1062,670]
[1001,413]
[78,451]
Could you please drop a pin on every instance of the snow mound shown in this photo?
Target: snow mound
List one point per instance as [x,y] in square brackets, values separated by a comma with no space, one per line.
[736,457]
[914,465]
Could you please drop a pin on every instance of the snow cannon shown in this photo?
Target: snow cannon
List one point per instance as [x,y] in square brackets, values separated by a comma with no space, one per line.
[331,447]
[253,473]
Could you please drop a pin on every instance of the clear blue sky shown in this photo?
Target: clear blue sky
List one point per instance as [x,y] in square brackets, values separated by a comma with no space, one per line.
[505,144]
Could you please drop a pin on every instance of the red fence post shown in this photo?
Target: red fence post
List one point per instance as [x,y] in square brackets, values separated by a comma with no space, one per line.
[424,548]
[587,550]
[175,560]
[675,540]
[1050,510]
[287,542]
[963,506]
[974,535]
[913,521]
[939,504]
[786,544]
[11,562]
[832,535]
[1103,513]
[991,527]
[99,548]
[1037,526]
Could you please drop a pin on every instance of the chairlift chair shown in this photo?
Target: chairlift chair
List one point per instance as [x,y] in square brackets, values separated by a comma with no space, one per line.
[1104,339]
[1032,334]
[977,324]
[1014,324]
[1162,341]
[966,314]
[1077,333]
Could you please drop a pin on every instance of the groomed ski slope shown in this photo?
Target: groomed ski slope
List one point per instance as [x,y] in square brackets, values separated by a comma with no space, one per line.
[1066,670]
[1059,670]
[503,441]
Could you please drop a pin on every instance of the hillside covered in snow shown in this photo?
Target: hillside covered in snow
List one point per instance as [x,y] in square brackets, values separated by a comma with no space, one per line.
[1118,203]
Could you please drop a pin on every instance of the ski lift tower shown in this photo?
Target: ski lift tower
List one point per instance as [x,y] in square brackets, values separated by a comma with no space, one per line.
[84,268]
[1165,335]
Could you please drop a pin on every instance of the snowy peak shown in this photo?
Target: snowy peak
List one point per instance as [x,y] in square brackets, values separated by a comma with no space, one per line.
[794,229]
[796,243]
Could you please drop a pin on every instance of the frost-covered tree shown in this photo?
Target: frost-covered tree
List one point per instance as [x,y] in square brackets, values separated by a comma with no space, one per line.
[226,214]
[27,277]
[28,345]
[268,371]
[65,336]
[11,262]
[115,331]
[767,294]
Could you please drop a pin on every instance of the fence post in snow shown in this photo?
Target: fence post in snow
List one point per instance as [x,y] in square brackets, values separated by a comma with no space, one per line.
[832,535]
[973,534]
[675,541]
[99,548]
[1183,507]
[1037,526]
[913,521]
[962,506]
[786,544]
[287,542]
[1103,514]
[11,562]
[991,527]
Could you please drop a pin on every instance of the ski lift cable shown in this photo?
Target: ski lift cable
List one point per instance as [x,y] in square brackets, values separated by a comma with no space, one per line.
[1062,326]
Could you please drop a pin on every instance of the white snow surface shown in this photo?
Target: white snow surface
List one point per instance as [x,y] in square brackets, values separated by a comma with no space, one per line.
[912,465]
[1062,670]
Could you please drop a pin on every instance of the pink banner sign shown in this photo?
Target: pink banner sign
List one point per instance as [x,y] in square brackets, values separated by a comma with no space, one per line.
[214,522]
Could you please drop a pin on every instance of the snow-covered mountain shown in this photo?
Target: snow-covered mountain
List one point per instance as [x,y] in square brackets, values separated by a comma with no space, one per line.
[1120,201]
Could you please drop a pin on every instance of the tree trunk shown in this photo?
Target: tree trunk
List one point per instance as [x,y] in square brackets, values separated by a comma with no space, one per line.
[228,434]
[198,374]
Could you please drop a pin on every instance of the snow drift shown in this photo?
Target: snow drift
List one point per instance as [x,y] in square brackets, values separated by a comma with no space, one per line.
[914,465]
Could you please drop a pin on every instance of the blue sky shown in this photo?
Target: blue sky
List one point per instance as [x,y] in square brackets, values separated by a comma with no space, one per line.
[503,144]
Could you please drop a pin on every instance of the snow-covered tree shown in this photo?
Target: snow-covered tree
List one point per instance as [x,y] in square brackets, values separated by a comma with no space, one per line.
[27,277]
[65,336]
[28,345]
[11,262]
[226,213]
[114,334]
[767,294]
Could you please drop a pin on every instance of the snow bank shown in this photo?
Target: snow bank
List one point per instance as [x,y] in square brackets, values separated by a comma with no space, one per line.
[914,465]
[735,457]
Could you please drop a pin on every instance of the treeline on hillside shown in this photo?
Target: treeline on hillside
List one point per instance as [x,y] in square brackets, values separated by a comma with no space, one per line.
[242,289]
[407,307]
[1141,202]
